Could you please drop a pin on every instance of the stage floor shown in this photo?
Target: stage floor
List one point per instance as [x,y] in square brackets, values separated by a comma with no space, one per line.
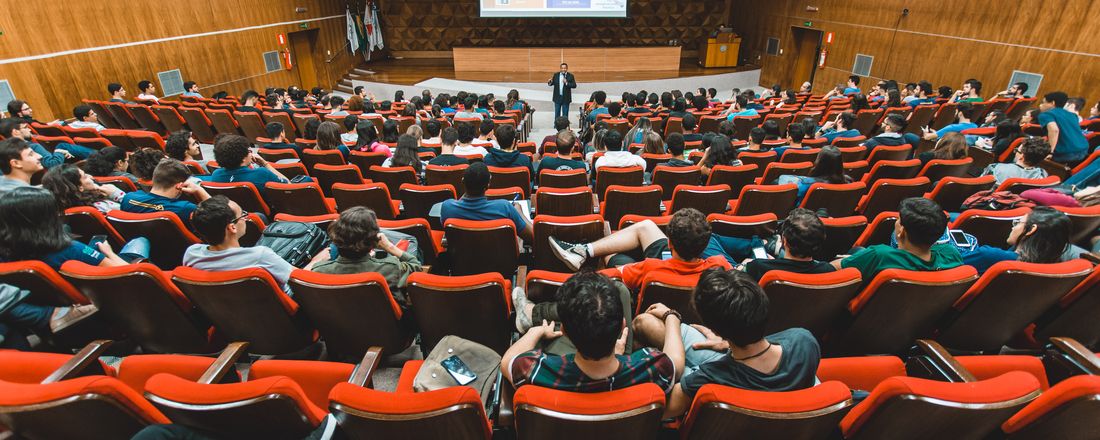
[411,71]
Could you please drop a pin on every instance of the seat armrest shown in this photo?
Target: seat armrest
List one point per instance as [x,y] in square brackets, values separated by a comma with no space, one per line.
[1077,353]
[935,362]
[224,363]
[84,358]
[364,371]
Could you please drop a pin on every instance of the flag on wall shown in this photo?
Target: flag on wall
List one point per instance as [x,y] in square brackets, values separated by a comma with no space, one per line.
[353,37]
[374,28]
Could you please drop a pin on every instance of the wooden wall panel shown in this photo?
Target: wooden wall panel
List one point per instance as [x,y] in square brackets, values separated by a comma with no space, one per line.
[942,42]
[228,61]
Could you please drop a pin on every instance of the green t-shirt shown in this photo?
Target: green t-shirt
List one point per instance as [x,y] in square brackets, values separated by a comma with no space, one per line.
[874,259]
[971,100]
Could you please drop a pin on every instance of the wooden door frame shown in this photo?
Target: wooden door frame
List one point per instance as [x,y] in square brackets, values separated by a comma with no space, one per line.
[798,53]
[312,35]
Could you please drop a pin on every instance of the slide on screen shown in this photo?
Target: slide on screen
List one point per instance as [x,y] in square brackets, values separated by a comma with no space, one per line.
[554,8]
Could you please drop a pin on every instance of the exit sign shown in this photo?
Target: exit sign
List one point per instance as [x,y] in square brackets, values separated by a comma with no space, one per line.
[808,24]
[304,25]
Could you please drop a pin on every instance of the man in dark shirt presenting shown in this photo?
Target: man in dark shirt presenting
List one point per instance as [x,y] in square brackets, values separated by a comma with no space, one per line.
[563,83]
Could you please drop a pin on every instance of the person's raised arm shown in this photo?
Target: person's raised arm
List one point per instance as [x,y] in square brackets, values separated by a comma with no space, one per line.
[678,403]
[259,160]
[527,343]
[191,188]
[673,346]
[110,258]
[1052,134]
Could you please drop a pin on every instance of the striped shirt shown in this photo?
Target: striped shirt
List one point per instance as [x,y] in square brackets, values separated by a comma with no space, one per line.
[562,373]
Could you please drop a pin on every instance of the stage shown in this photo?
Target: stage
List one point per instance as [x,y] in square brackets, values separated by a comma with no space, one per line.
[438,75]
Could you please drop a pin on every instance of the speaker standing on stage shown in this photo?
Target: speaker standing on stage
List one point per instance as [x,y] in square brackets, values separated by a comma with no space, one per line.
[563,83]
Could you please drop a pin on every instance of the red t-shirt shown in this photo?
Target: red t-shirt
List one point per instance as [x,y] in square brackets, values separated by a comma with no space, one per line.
[633,273]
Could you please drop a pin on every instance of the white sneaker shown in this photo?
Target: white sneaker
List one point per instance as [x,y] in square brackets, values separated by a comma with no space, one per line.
[572,255]
[519,302]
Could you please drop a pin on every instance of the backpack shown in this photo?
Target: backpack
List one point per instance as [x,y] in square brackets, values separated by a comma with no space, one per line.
[996,201]
[296,242]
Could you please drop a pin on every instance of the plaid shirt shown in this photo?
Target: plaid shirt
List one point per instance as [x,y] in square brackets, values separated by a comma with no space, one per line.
[562,373]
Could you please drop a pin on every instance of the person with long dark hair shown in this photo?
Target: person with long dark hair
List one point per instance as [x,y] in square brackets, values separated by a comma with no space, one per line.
[31,228]
[368,139]
[389,132]
[1041,236]
[110,161]
[828,168]
[1007,133]
[406,154]
[720,152]
[73,187]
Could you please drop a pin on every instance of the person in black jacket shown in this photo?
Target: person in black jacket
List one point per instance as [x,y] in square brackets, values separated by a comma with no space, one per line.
[563,83]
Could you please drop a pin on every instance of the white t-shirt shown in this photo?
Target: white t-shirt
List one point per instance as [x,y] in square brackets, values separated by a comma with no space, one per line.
[469,150]
[619,159]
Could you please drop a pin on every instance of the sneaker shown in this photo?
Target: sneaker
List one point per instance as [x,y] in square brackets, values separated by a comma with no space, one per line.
[774,246]
[519,303]
[65,316]
[570,254]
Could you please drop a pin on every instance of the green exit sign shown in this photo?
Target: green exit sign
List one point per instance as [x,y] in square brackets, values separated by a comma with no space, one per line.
[304,25]
[808,24]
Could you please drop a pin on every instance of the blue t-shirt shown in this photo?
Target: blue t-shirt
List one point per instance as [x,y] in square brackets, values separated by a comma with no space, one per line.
[257,176]
[1072,145]
[733,249]
[480,208]
[850,90]
[955,128]
[76,251]
[746,112]
[851,132]
[596,111]
[142,202]
[914,103]
[984,256]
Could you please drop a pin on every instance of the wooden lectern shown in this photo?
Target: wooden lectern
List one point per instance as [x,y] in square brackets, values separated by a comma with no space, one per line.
[720,51]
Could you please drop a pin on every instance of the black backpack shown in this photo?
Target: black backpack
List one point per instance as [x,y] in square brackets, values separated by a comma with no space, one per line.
[296,242]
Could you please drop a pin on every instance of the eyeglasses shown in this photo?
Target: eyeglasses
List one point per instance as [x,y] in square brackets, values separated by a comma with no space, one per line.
[244,215]
[1017,222]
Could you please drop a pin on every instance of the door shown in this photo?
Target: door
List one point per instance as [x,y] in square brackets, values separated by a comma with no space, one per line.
[803,61]
[301,52]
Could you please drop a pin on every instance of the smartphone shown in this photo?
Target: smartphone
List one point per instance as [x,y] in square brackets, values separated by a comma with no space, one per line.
[96,240]
[760,253]
[666,255]
[458,370]
[959,238]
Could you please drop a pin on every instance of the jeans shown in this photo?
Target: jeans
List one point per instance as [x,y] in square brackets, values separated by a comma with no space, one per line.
[561,109]
[79,152]
[1088,176]
[18,320]
[135,249]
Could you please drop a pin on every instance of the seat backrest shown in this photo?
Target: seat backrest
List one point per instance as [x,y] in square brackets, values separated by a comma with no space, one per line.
[372,195]
[86,222]
[252,125]
[815,302]
[944,116]
[652,160]
[426,237]
[763,199]
[45,285]
[311,157]
[1059,412]
[246,305]
[950,192]
[633,412]
[563,178]
[443,305]
[669,177]
[608,176]
[576,229]
[619,201]
[223,121]
[564,201]
[937,169]
[297,198]
[272,407]
[892,169]
[707,199]
[989,227]
[244,193]
[352,312]
[798,156]
[418,200]
[889,152]
[170,117]
[921,116]
[1085,221]
[746,226]
[171,236]
[507,177]
[394,177]
[759,158]
[1008,297]
[839,200]
[122,115]
[91,406]
[453,413]
[898,306]
[198,123]
[886,194]
[842,233]
[737,177]
[726,412]
[1018,185]
[672,290]
[365,160]
[1076,315]
[482,246]
[912,408]
[446,175]
[291,125]
[776,169]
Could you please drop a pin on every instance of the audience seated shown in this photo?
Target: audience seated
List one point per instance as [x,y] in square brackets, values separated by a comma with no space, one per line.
[145,160]
[447,155]
[31,228]
[839,127]
[921,223]
[171,181]
[474,206]
[1063,129]
[1028,156]
[1041,236]
[801,235]
[675,144]
[18,162]
[19,128]
[182,146]
[355,236]
[279,141]
[236,163]
[892,134]
[73,187]
[465,141]
[964,113]
[85,118]
[506,155]
[561,159]
[617,156]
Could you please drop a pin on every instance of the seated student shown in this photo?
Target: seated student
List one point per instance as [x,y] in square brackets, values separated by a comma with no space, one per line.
[191,89]
[970,92]
[143,162]
[350,136]
[739,108]
[950,147]
[367,140]
[18,162]
[19,318]
[560,123]
[328,138]
[719,152]
[800,235]
[652,144]
[19,128]
[432,129]
[110,162]
[474,206]
[499,113]
[506,155]
[1063,129]
[964,112]
[249,100]
[220,223]
[756,140]
[594,320]
[147,90]
[617,156]
[1026,166]
[171,180]
[73,187]
[679,108]
[1042,236]
[337,104]
[446,155]
[689,236]
[31,228]
[1074,106]
[236,163]
[279,141]
[689,124]
[486,138]
[795,134]
[469,109]
[675,146]
[86,118]
[465,141]
[730,348]
[828,168]
[923,95]
[920,225]
[839,127]
[600,100]
[118,94]
[356,235]
[182,146]
[406,155]
[892,134]
[562,157]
